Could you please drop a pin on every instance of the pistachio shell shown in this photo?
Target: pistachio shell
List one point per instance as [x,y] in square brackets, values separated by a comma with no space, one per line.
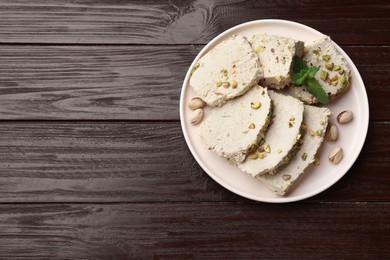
[336,155]
[197,116]
[345,117]
[196,103]
[332,133]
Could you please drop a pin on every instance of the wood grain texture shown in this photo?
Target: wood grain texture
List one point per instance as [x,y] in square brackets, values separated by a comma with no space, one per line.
[143,162]
[93,164]
[129,82]
[193,231]
[91,82]
[177,22]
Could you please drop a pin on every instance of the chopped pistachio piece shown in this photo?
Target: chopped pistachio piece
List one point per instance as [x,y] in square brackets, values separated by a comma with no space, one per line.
[334,78]
[219,83]
[260,49]
[292,118]
[311,132]
[267,148]
[255,105]
[262,155]
[334,83]
[329,66]
[279,151]
[290,125]
[319,132]
[304,156]
[252,126]
[336,68]
[323,75]
[326,57]
[341,72]
[343,80]
[253,156]
[194,68]
[233,83]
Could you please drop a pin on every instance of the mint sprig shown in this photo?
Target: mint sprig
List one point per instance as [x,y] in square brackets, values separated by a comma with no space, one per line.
[304,75]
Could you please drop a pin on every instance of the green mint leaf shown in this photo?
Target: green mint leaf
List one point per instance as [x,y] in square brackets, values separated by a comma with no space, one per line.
[304,75]
[315,88]
[312,71]
[298,65]
[299,78]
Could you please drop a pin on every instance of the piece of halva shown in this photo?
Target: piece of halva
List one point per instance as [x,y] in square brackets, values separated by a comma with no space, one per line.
[228,70]
[233,129]
[281,139]
[316,121]
[334,73]
[276,54]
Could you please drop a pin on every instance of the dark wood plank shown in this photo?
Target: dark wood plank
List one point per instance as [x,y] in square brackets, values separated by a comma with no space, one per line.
[189,21]
[92,82]
[129,82]
[143,162]
[196,231]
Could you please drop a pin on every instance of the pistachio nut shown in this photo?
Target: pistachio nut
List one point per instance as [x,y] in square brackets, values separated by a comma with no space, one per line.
[345,117]
[196,103]
[332,133]
[197,116]
[336,155]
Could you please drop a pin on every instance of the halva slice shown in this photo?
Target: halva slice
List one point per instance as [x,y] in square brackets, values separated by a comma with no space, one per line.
[229,70]
[276,54]
[316,121]
[334,74]
[281,139]
[233,129]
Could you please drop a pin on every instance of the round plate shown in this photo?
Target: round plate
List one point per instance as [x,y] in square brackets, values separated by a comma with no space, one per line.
[316,178]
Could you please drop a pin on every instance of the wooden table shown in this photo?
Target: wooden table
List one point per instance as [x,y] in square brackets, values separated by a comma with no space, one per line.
[93,163]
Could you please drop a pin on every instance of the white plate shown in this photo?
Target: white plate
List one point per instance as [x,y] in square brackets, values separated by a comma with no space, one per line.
[317,178]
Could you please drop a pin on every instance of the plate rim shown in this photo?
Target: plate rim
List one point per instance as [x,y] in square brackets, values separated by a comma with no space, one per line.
[280,199]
